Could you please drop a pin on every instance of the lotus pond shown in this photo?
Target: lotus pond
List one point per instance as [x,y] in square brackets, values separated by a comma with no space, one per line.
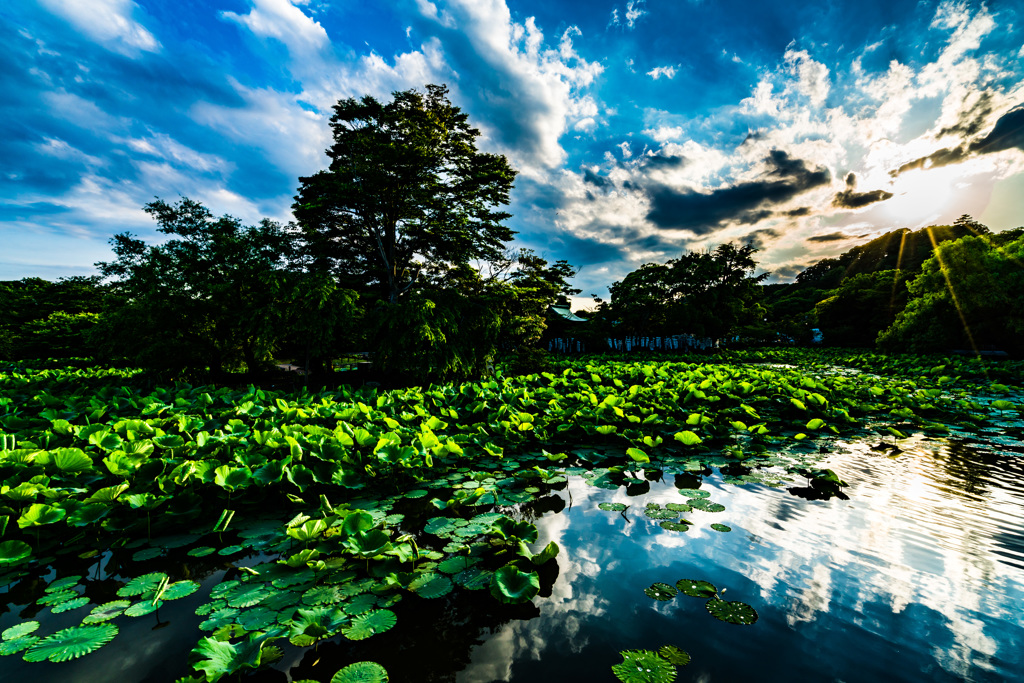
[782,514]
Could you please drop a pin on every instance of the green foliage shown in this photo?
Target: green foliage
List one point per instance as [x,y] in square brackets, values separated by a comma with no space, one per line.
[49,319]
[862,306]
[969,295]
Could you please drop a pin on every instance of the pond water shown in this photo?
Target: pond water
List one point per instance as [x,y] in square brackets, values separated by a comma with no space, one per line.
[917,575]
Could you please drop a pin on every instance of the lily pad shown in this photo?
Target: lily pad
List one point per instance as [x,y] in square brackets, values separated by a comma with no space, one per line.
[656,513]
[71,643]
[202,551]
[705,505]
[660,591]
[612,507]
[673,655]
[20,630]
[474,578]
[361,672]
[731,611]
[454,565]
[63,583]
[180,589]
[147,554]
[16,645]
[696,588]
[69,605]
[106,611]
[361,603]
[369,624]
[142,608]
[721,527]
[141,584]
[431,586]
[643,666]
[509,585]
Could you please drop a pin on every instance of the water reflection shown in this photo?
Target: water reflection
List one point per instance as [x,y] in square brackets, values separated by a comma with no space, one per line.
[919,575]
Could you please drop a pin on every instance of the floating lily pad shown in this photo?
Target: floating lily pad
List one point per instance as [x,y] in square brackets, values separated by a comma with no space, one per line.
[256,619]
[106,611]
[20,630]
[369,624]
[454,565]
[678,507]
[673,655]
[721,527]
[71,643]
[682,525]
[247,596]
[57,598]
[143,607]
[361,603]
[656,513]
[202,551]
[612,507]
[180,589]
[694,493]
[16,645]
[323,595]
[361,672]
[431,586]
[231,550]
[696,588]
[643,666]
[63,584]
[705,505]
[69,605]
[141,584]
[732,612]
[660,591]
[474,578]
[147,554]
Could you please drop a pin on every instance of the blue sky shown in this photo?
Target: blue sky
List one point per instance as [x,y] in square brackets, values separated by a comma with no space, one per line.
[640,128]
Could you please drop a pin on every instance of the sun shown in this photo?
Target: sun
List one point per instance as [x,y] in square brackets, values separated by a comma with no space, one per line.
[921,196]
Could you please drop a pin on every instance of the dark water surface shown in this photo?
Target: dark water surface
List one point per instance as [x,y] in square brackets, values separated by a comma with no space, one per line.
[917,576]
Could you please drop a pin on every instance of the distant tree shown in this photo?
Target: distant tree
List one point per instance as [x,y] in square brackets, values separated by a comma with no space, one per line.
[970,293]
[215,298]
[861,307]
[43,319]
[406,187]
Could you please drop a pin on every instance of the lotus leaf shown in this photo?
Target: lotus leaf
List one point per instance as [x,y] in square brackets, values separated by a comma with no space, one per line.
[361,672]
[217,659]
[474,578]
[317,622]
[660,591]
[40,514]
[180,589]
[678,507]
[363,602]
[106,612]
[57,598]
[15,645]
[732,612]
[370,623]
[20,630]
[612,507]
[13,552]
[454,565]
[721,527]
[72,459]
[323,595]
[509,585]
[247,596]
[656,513]
[229,632]
[431,586]
[643,666]
[257,619]
[682,525]
[142,584]
[705,505]
[143,607]
[673,655]
[696,588]
[69,605]
[147,554]
[71,643]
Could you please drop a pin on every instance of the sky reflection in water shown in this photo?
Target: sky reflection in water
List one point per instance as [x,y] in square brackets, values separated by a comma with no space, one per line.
[918,576]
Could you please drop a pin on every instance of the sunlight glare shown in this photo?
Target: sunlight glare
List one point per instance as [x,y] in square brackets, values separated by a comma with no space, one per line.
[921,195]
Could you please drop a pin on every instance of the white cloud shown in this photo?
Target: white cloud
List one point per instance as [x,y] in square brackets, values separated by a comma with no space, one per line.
[283,21]
[59,149]
[626,151]
[167,148]
[812,76]
[633,11]
[659,71]
[108,22]
[664,133]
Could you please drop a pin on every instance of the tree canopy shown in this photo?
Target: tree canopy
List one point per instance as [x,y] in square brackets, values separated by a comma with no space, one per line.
[406,186]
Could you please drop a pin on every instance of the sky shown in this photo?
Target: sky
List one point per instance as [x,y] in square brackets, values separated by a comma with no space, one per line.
[640,129]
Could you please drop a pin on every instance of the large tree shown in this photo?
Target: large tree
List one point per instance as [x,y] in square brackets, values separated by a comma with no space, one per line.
[406,186]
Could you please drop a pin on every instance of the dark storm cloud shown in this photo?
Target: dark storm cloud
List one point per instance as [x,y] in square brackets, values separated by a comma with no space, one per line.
[971,121]
[759,239]
[851,199]
[830,237]
[593,179]
[1006,134]
[795,213]
[746,202]
[663,161]
[789,270]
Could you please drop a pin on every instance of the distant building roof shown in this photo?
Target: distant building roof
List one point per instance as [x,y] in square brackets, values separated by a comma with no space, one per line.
[564,313]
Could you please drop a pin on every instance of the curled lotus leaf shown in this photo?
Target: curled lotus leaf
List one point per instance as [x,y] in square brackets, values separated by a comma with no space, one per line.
[731,611]
[12,552]
[509,585]
[71,643]
[643,666]
[696,588]
[660,591]
[361,672]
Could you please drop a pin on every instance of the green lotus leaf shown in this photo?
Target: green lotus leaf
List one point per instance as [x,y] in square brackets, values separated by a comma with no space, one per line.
[731,611]
[678,507]
[673,655]
[439,526]
[247,596]
[361,672]
[688,438]
[106,611]
[655,513]
[143,607]
[202,551]
[208,608]
[431,585]
[509,585]
[13,552]
[142,584]
[643,666]
[696,588]
[454,565]
[15,645]
[637,455]
[180,589]
[20,630]
[229,632]
[353,588]
[63,583]
[69,605]
[612,507]
[230,550]
[320,595]
[415,493]
[705,505]
[57,598]
[721,527]
[307,531]
[219,618]
[71,643]
[694,493]
[257,619]
[474,578]
[221,590]
[506,528]
[317,622]
[40,514]
[217,658]
[71,459]
[369,624]
[361,603]
[367,544]
[660,591]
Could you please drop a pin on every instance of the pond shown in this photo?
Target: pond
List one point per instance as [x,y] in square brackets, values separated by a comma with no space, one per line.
[915,572]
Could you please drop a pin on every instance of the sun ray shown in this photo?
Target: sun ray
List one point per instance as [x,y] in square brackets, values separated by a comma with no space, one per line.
[952,292]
